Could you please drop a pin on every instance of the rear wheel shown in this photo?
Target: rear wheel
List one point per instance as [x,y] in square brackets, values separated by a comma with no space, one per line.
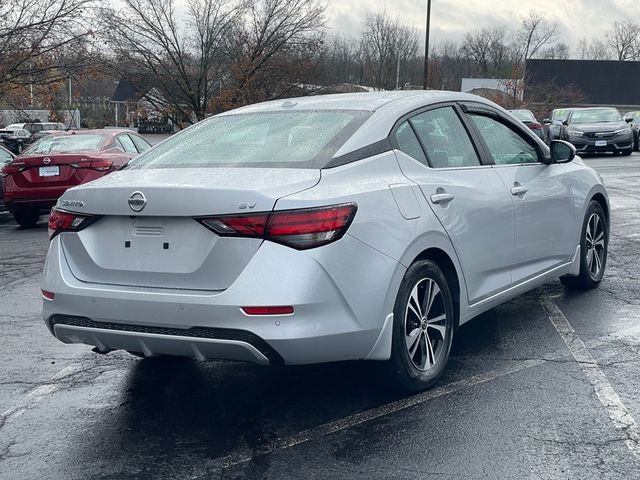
[593,250]
[26,218]
[423,327]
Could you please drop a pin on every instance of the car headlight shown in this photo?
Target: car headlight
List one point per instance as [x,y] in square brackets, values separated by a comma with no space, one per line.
[575,133]
[623,131]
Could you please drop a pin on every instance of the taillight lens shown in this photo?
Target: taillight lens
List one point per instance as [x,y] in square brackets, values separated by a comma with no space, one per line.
[101,165]
[11,168]
[61,221]
[300,229]
[536,126]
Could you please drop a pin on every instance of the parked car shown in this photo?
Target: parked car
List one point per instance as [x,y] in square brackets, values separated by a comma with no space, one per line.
[34,180]
[529,119]
[634,122]
[35,127]
[16,139]
[5,157]
[552,127]
[599,129]
[322,229]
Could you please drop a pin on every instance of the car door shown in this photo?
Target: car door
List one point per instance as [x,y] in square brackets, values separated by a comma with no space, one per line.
[543,202]
[435,150]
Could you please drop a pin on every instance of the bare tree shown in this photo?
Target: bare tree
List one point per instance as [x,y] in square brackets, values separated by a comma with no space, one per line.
[593,49]
[534,34]
[559,51]
[624,40]
[43,41]
[176,64]
[385,43]
[490,50]
[272,50]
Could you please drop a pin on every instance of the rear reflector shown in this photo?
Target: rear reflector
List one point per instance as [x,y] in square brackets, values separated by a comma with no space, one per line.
[300,229]
[61,221]
[48,295]
[267,310]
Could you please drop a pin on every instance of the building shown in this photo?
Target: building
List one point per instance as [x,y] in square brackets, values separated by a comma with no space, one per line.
[601,82]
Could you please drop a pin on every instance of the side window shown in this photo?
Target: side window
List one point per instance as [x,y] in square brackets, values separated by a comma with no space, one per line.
[505,145]
[445,139]
[409,144]
[127,144]
[141,143]
[5,156]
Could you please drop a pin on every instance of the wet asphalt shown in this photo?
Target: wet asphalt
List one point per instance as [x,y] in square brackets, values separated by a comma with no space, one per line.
[514,401]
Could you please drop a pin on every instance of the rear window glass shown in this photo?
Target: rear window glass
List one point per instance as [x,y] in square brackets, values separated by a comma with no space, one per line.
[67,143]
[291,139]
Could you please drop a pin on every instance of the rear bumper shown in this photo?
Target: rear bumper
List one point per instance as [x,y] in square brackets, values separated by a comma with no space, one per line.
[334,319]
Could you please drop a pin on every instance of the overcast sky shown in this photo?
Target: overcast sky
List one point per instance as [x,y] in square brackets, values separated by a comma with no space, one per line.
[451,19]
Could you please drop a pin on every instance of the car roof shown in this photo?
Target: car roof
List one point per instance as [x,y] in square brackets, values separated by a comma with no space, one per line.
[385,108]
[365,101]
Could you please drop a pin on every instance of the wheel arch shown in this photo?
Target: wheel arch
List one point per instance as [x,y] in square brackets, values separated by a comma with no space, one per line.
[448,267]
[600,198]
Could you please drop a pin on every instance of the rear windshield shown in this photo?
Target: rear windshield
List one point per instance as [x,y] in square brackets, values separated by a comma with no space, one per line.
[67,144]
[596,115]
[291,139]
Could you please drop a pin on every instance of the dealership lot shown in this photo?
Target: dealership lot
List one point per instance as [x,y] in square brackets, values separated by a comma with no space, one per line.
[545,386]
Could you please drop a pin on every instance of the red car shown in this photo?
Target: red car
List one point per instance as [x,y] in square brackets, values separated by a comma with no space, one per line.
[35,180]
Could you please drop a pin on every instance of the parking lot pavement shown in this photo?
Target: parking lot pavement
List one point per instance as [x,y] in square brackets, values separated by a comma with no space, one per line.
[543,387]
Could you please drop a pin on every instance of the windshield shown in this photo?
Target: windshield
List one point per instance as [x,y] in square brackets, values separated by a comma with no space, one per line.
[523,115]
[596,115]
[560,114]
[290,139]
[67,144]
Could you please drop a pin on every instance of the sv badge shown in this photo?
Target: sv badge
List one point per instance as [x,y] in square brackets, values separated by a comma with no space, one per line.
[245,205]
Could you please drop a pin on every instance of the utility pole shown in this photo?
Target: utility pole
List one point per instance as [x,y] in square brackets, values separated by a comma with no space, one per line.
[426,47]
[398,73]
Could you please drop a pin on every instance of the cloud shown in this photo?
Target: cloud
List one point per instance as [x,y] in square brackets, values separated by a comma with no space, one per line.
[451,19]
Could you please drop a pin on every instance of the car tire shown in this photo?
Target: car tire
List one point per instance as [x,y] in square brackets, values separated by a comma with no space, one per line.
[593,250]
[421,341]
[20,148]
[26,218]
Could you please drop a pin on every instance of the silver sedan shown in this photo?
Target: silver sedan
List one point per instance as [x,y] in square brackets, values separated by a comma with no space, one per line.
[344,227]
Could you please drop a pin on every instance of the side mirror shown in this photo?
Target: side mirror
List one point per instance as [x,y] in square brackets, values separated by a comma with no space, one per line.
[562,152]
[628,119]
[565,123]
[546,121]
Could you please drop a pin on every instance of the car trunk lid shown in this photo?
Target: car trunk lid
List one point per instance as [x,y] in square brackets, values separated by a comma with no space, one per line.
[163,246]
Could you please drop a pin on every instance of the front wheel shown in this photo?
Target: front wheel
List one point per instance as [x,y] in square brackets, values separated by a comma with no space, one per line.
[423,327]
[593,250]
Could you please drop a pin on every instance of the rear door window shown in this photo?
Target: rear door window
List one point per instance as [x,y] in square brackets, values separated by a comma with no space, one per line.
[141,143]
[126,144]
[445,139]
[409,144]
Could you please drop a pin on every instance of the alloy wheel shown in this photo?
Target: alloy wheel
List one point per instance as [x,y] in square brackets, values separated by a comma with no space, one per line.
[425,324]
[595,245]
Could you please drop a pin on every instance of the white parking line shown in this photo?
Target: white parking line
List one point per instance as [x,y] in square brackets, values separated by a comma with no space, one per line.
[617,411]
[246,455]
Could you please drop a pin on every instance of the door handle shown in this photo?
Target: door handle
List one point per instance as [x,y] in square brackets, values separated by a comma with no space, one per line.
[441,198]
[519,191]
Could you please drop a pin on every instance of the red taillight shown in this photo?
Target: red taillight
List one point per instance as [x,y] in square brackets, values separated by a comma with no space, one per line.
[11,168]
[536,126]
[61,221]
[101,165]
[300,229]
[268,310]
[48,295]
[252,225]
